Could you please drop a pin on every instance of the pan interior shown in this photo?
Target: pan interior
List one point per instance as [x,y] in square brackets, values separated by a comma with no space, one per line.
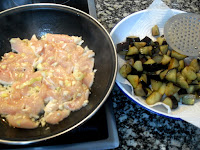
[23,22]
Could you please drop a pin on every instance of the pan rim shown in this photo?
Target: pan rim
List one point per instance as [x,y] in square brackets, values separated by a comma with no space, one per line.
[47,5]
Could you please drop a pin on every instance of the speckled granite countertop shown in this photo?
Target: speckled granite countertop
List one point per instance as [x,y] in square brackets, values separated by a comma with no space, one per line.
[137,127]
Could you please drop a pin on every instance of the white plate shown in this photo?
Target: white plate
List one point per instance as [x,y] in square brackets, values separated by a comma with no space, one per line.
[119,34]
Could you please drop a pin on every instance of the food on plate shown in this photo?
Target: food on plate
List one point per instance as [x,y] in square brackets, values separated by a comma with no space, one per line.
[159,74]
[43,80]
[155,30]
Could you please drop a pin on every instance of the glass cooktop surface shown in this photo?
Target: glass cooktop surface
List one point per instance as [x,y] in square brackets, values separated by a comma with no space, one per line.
[79,4]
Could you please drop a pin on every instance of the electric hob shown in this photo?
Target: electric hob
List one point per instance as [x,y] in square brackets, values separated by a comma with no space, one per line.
[100,131]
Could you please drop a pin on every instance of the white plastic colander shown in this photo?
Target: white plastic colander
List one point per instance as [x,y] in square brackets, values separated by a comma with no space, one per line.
[182,33]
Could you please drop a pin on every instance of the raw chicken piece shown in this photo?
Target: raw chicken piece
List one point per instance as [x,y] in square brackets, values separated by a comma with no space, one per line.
[89,79]
[80,100]
[37,45]
[61,37]
[55,112]
[24,101]
[51,60]
[64,93]
[57,116]
[85,65]
[8,106]
[21,46]
[21,121]
[15,67]
[32,47]
[26,96]
[60,84]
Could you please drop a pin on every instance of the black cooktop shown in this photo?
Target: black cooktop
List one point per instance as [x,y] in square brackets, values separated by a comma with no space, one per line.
[93,130]
[79,4]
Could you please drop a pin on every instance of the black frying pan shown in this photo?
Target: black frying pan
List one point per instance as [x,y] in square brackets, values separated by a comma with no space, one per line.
[23,22]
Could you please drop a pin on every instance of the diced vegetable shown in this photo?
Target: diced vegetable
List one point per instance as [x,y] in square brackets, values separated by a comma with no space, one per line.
[138,66]
[177,55]
[146,50]
[132,50]
[171,75]
[182,92]
[166,59]
[173,63]
[159,71]
[181,65]
[163,49]
[168,102]
[171,89]
[191,89]
[149,91]
[154,77]
[132,39]
[163,74]
[188,99]
[153,67]
[195,65]
[155,30]
[148,41]
[135,72]
[198,76]
[140,44]
[168,53]
[130,61]
[156,85]
[143,78]
[139,90]
[160,40]
[122,46]
[155,71]
[144,85]
[189,73]
[133,79]
[150,61]
[153,98]
[158,58]
[181,81]
[162,89]
[125,70]
[174,102]
[176,95]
